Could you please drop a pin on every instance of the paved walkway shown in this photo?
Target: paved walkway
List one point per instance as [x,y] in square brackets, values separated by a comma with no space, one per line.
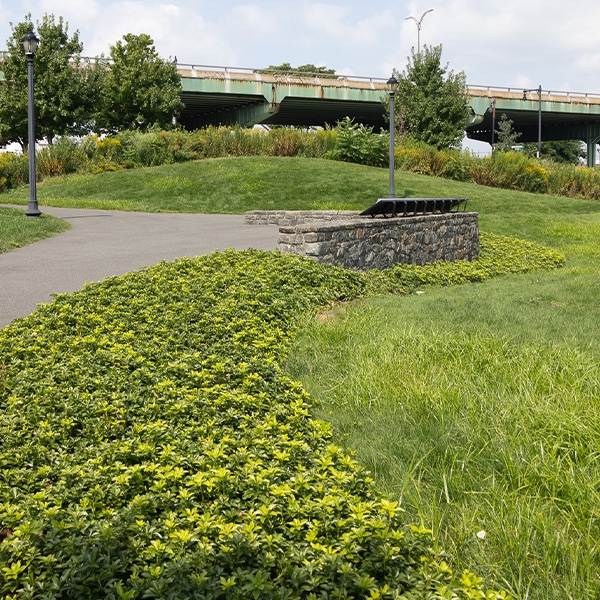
[104,243]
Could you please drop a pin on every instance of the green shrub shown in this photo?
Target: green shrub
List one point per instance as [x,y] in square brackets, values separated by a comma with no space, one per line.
[14,170]
[63,157]
[514,170]
[150,446]
[575,182]
[358,144]
[348,141]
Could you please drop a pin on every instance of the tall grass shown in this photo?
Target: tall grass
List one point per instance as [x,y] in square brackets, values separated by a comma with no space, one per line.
[478,407]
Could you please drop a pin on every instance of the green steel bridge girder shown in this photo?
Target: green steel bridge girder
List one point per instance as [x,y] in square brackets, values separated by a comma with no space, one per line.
[247,98]
[563,117]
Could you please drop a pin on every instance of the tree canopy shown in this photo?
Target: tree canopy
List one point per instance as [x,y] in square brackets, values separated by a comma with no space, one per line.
[562,151]
[308,69]
[507,136]
[63,100]
[431,104]
[140,89]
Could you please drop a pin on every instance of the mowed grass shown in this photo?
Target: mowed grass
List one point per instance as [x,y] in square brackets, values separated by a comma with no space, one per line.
[235,185]
[17,230]
[226,186]
[478,405]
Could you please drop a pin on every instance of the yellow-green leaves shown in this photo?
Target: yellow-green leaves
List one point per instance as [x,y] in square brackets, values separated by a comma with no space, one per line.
[150,446]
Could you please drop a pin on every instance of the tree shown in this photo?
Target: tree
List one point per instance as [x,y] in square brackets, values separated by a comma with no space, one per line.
[308,69]
[562,151]
[507,136]
[140,89]
[63,98]
[431,104]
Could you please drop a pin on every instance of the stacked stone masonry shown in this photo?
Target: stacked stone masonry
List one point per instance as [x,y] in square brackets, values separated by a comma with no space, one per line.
[362,243]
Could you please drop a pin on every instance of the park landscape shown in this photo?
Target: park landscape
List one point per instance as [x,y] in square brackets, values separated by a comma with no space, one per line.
[467,392]
[253,425]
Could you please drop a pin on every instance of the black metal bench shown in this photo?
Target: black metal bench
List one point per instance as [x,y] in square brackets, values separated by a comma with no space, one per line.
[408,207]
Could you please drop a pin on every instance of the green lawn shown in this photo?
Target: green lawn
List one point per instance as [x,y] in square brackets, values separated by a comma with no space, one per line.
[477,406]
[17,230]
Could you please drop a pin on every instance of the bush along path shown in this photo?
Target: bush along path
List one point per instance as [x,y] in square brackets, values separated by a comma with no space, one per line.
[150,446]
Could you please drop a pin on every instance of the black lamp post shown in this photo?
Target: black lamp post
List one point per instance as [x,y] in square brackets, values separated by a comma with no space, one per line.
[392,86]
[31,44]
[539,93]
[493,111]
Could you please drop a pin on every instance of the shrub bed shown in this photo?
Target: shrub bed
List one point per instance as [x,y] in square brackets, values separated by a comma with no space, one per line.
[348,141]
[150,446]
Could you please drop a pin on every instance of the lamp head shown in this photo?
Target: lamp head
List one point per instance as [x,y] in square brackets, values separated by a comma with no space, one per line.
[392,84]
[30,43]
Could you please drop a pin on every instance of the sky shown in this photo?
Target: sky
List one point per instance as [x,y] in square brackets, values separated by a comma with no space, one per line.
[503,43]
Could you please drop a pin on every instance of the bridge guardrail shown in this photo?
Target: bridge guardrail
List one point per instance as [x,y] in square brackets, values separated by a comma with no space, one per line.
[491,89]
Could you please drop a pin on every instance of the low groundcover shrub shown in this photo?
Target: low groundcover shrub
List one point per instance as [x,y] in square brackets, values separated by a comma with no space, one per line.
[150,447]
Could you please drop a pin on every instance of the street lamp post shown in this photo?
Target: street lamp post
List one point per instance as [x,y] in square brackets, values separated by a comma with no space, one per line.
[493,111]
[538,90]
[392,86]
[31,44]
[418,24]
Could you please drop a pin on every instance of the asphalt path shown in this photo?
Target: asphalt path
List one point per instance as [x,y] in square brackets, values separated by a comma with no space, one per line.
[103,243]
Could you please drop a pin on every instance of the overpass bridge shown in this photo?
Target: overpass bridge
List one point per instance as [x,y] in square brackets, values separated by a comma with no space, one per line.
[230,95]
[226,96]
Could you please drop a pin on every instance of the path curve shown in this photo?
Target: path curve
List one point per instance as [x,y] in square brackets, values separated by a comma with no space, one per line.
[103,243]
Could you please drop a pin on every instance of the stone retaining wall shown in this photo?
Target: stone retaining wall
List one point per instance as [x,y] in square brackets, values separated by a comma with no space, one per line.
[296,217]
[361,243]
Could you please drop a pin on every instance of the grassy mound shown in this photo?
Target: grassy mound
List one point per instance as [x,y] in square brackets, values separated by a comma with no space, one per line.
[150,447]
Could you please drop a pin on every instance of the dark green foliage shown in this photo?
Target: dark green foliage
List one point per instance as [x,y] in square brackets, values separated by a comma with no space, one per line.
[63,91]
[150,447]
[431,104]
[570,152]
[507,136]
[358,144]
[303,70]
[140,89]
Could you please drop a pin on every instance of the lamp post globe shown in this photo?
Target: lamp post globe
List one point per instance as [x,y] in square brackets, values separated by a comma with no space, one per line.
[30,45]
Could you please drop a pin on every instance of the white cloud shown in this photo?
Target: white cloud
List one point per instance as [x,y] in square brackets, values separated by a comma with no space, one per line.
[496,42]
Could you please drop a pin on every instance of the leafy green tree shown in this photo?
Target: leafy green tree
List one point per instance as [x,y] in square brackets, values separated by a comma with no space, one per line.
[140,89]
[308,69]
[561,151]
[63,97]
[507,136]
[431,104]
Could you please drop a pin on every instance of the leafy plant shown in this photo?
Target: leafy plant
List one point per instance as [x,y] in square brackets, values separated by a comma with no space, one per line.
[152,447]
[507,136]
[357,143]
[431,103]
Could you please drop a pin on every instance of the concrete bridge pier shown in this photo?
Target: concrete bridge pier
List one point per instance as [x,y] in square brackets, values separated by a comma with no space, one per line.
[592,141]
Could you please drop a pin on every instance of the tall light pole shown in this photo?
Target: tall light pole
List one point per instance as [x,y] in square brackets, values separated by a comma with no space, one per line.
[31,44]
[392,86]
[418,24]
[492,109]
[539,93]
